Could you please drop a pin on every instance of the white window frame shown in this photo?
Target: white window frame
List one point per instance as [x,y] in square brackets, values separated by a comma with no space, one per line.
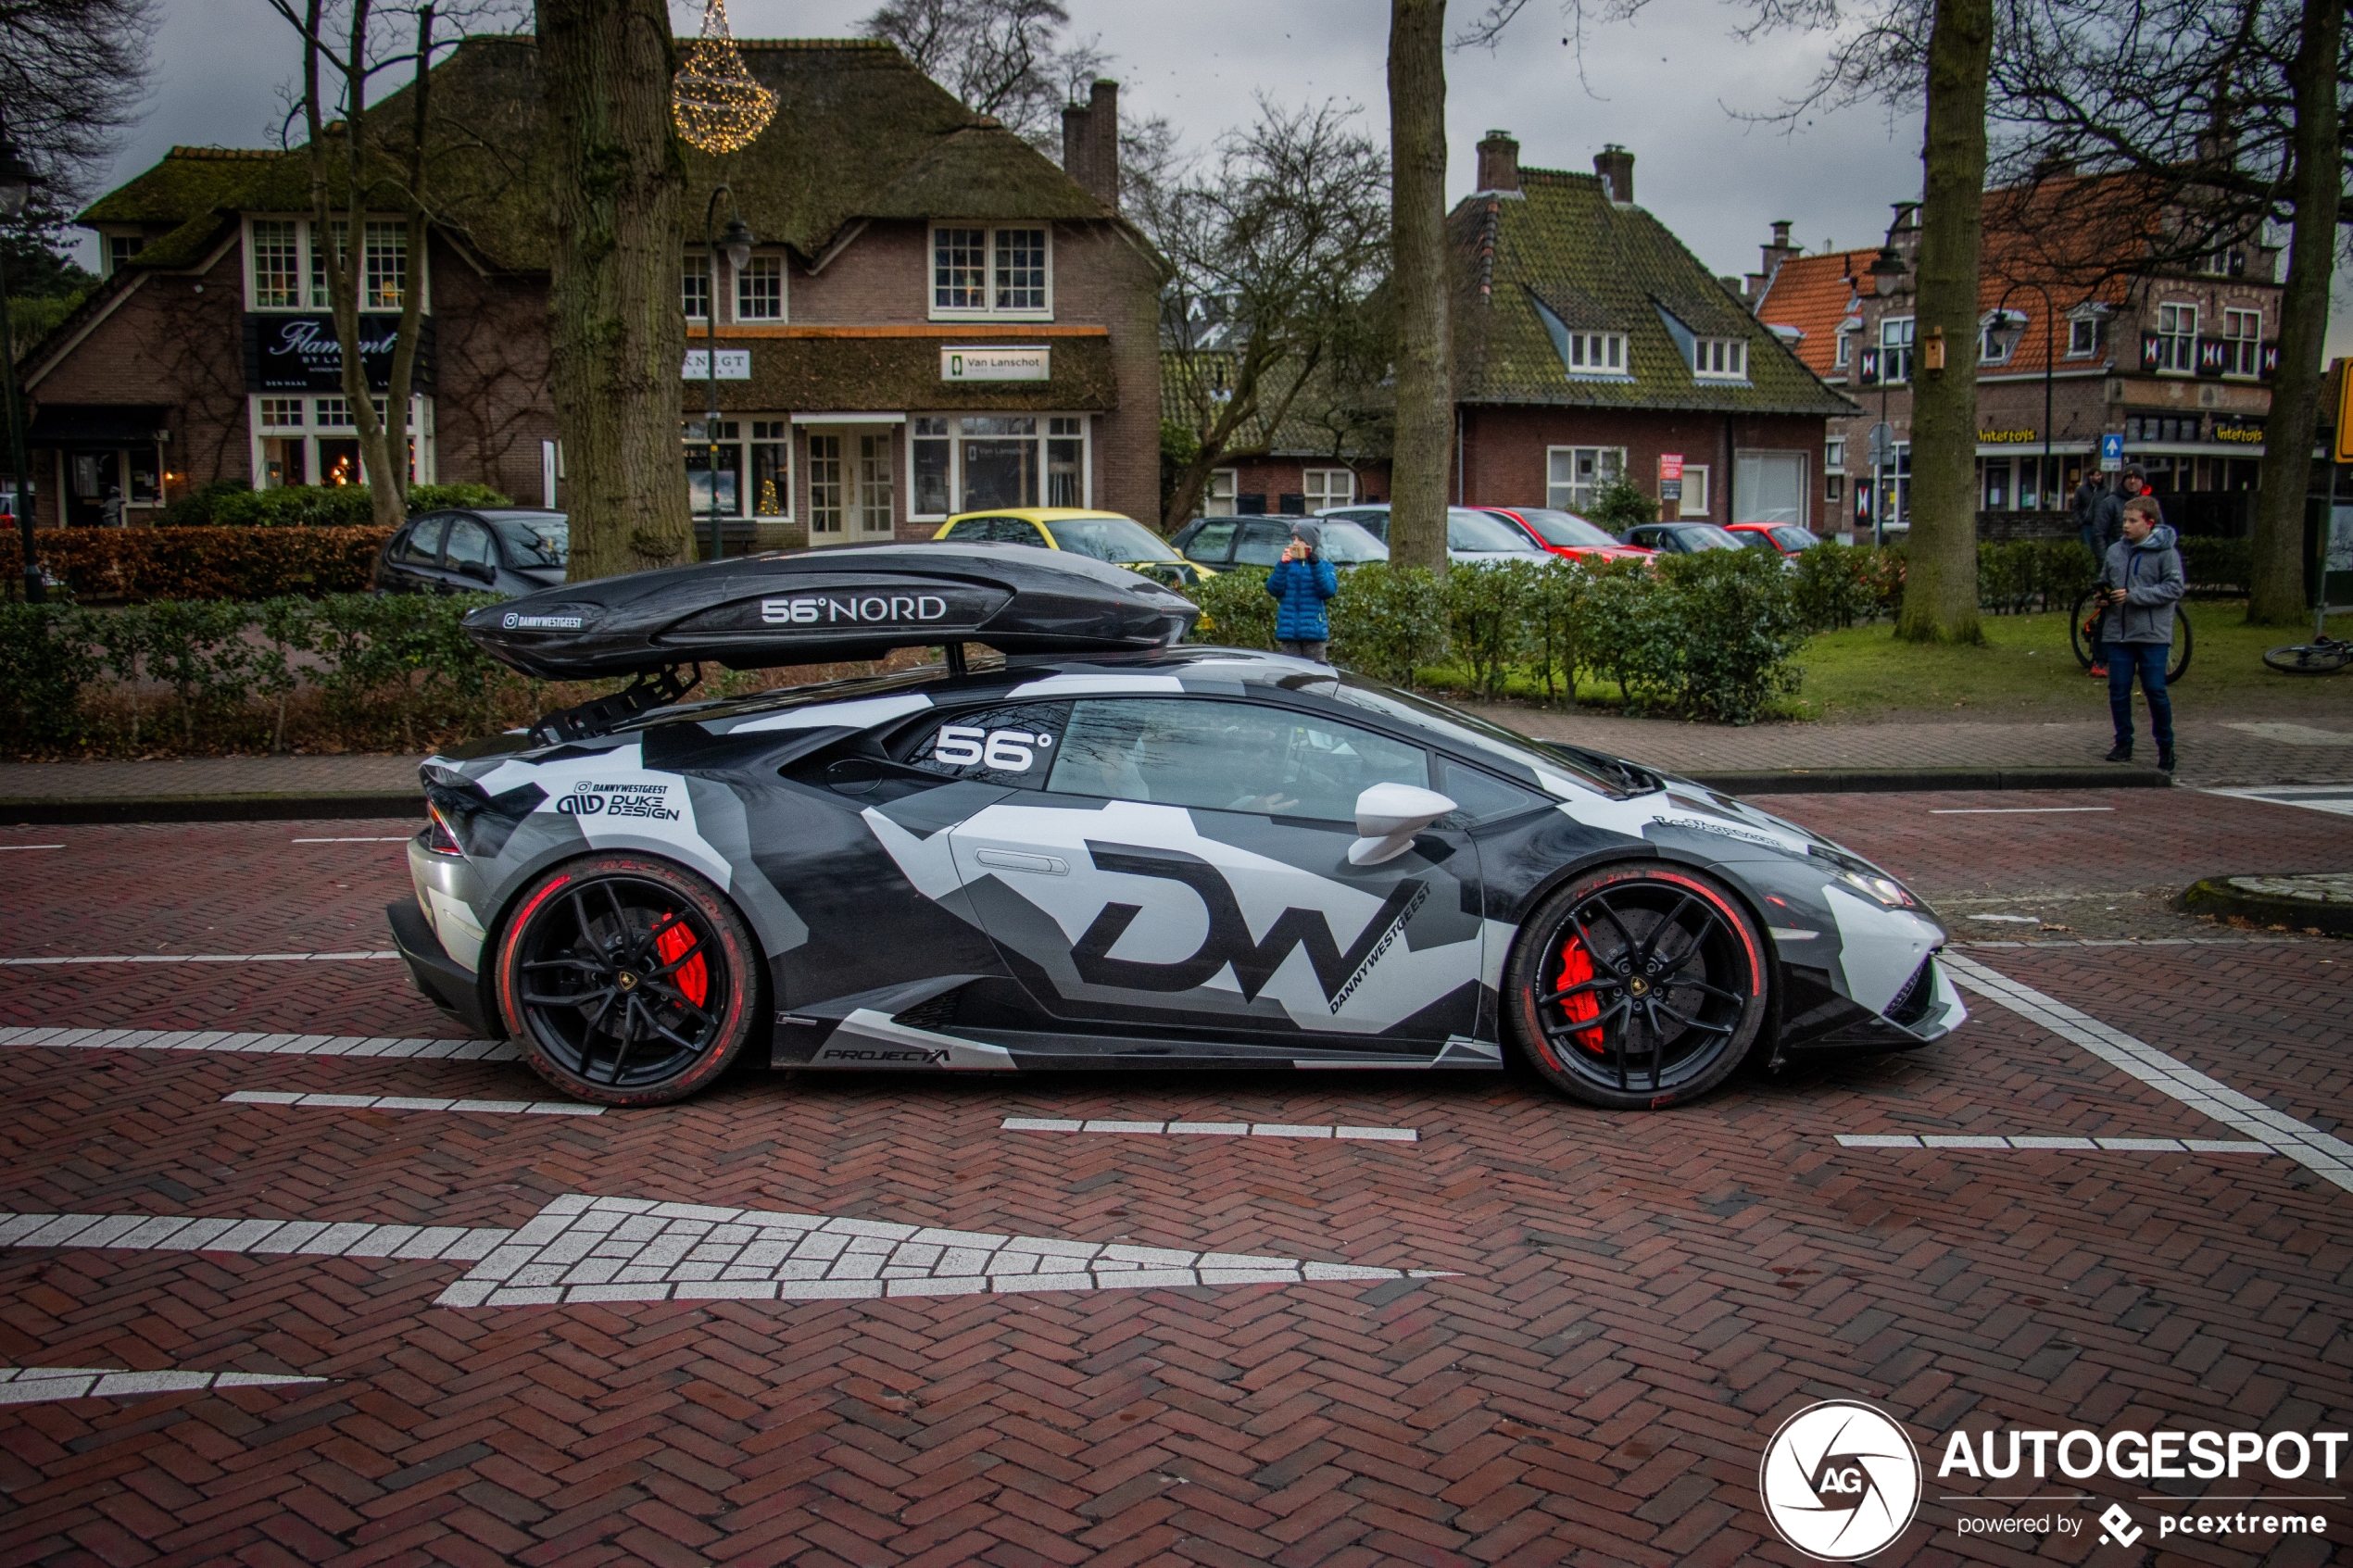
[1846,336]
[988,311]
[748,430]
[1834,455]
[1602,356]
[1327,488]
[689,269]
[1699,497]
[758,267]
[1047,429]
[2177,347]
[1220,498]
[1562,495]
[856,481]
[1995,342]
[312,429]
[310,288]
[1720,358]
[2242,342]
[1898,343]
[2087,322]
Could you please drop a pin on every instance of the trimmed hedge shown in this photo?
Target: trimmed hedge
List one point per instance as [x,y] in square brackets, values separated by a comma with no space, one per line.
[141,565]
[228,504]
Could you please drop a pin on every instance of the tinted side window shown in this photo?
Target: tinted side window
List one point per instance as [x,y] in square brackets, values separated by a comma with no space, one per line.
[1480,797]
[1214,543]
[1261,543]
[1013,745]
[1227,757]
[421,546]
[973,528]
[470,543]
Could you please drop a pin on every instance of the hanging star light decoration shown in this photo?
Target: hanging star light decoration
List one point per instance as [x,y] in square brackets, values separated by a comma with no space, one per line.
[718,104]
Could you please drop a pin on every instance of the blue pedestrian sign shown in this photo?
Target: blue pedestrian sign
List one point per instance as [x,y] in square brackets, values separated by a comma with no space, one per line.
[2111,453]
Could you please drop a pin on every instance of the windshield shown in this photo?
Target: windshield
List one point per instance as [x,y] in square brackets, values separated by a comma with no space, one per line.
[1792,537]
[1567,529]
[1467,529]
[1347,543]
[1707,537]
[1114,539]
[535,541]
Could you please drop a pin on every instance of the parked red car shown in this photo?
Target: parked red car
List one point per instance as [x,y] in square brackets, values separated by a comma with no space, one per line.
[1786,537]
[1565,533]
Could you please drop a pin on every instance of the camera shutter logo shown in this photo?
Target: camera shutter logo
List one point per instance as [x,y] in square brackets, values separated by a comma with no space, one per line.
[1840,1481]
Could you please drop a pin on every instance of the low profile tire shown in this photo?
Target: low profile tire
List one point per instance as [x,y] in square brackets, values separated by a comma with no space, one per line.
[627,980]
[1638,986]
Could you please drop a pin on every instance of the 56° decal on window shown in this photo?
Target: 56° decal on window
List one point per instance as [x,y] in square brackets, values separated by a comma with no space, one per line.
[1006,751]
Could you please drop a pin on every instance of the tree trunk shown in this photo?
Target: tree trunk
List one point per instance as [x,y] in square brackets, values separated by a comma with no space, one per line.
[2276,585]
[1417,222]
[616,331]
[1939,581]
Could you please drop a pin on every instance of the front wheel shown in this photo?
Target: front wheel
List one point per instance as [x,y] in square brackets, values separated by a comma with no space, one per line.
[2083,634]
[628,981]
[2324,658]
[1636,987]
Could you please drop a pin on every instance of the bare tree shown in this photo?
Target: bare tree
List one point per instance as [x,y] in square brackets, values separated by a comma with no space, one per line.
[1277,245]
[1425,349]
[73,74]
[1002,57]
[379,163]
[616,335]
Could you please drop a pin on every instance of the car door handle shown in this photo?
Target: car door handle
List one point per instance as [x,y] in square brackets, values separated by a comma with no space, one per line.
[1007,859]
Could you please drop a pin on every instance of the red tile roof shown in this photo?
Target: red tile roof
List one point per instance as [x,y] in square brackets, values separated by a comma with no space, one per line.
[1814,293]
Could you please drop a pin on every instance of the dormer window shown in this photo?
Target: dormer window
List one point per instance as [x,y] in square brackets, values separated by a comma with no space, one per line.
[2083,331]
[1720,358]
[1597,353]
[978,273]
[281,252]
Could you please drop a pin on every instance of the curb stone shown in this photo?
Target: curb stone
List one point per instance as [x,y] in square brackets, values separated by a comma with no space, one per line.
[2222,896]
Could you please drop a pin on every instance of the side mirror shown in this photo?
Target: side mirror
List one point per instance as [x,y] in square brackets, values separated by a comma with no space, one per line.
[1388,816]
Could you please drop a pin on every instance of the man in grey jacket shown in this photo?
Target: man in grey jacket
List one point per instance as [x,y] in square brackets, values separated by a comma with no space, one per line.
[2139,582]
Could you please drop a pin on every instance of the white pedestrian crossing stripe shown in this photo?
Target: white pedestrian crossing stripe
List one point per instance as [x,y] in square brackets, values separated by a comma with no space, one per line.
[40,1385]
[1213,1129]
[414,1102]
[264,1045]
[2113,1146]
[195,958]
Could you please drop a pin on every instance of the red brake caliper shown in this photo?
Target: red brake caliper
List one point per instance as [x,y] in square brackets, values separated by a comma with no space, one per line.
[693,981]
[1577,967]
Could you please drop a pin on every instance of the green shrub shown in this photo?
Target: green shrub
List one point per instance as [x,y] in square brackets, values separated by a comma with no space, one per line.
[1236,611]
[2220,567]
[1736,628]
[1557,632]
[1486,609]
[226,503]
[1837,586]
[1619,506]
[1388,620]
[137,565]
[48,652]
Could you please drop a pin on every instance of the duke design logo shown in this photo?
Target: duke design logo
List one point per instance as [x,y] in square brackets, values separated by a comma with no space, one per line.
[1840,1481]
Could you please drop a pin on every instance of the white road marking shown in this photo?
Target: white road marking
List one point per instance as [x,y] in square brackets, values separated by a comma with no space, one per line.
[2293,734]
[263,1045]
[2323,1154]
[2336,798]
[2136,1146]
[409,1102]
[396,838]
[198,958]
[2011,810]
[5,847]
[1213,1129]
[2015,920]
[37,1384]
[580,1249]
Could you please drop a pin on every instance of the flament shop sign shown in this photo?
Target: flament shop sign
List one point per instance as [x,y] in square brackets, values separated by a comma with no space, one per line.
[300,354]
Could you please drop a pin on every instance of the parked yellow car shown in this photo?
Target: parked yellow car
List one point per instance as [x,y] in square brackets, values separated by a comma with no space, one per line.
[1105,537]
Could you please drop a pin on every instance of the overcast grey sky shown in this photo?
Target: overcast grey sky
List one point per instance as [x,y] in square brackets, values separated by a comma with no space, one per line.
[1669,87]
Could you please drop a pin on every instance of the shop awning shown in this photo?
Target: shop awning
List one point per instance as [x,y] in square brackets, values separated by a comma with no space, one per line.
[82,426]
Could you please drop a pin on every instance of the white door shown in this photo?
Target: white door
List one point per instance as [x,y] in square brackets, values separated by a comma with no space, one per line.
[853,486]
[1769,487]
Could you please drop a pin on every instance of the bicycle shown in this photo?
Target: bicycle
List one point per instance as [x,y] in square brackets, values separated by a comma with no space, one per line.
[2323,655]
[2083,624]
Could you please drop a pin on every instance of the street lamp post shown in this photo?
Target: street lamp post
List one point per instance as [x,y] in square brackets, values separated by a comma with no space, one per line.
[16,181]
[736,242]
[2050,348]
[1887,276]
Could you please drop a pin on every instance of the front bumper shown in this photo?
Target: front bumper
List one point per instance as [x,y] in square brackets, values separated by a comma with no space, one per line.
[444,983]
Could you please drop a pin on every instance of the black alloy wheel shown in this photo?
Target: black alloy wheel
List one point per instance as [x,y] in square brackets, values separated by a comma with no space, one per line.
[2083,628]
[1636,987]
[628,981]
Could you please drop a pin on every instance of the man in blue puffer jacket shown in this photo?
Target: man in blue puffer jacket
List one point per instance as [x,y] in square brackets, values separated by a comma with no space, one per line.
[1301,581]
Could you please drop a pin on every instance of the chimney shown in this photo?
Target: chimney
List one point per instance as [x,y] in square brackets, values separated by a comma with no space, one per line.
[1771,258]
[1076,147]
[1499,162]
[1615,166]
[1091,142]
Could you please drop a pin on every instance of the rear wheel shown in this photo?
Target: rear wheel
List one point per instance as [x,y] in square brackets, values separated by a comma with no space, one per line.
[627,980]
[2324,658]
[1636,987]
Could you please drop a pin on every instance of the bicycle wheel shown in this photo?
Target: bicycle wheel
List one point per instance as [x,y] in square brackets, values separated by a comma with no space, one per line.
[2324,658]
[2177,664]
[2083,622]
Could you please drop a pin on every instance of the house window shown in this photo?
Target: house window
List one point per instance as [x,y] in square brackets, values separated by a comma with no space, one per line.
[2228,261]
[1574,475]
[853,487]
[2242,342]
[1834,455]
[694,288]
[972,462]
[2177,338]
[1720,358]
[990,272]
[276,249]
[2082,335]
[1997,485]
[760,290]
[1218,499]
[2003,332]
[1696,500]
[310,440]
[385,267]
[1598,354]
[1845,348]
[824,488]
[1328,487]
[281,252]
[121,248]
[1896,350]
[753,478]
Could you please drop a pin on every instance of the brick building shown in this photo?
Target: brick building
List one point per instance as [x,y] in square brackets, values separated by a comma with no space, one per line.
[1588,342]
[935,318]
[2176,361]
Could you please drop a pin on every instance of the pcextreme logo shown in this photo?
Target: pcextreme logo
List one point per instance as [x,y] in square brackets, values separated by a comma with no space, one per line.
[1841,1480]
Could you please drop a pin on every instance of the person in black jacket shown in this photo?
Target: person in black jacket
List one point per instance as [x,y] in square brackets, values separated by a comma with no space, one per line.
[2099,520]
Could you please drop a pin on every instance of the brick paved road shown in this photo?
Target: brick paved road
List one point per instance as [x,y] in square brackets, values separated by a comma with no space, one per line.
[1637,1301]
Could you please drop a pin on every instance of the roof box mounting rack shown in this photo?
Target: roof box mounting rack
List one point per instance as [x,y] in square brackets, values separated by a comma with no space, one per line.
[824,605]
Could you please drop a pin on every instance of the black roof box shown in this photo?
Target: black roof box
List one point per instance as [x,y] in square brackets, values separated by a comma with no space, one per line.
[817,607]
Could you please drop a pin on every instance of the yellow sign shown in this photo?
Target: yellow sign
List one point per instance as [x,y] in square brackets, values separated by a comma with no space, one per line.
[2006,437]
[2344,452]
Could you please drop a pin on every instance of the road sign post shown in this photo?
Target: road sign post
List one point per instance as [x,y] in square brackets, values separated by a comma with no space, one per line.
[2111,454]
